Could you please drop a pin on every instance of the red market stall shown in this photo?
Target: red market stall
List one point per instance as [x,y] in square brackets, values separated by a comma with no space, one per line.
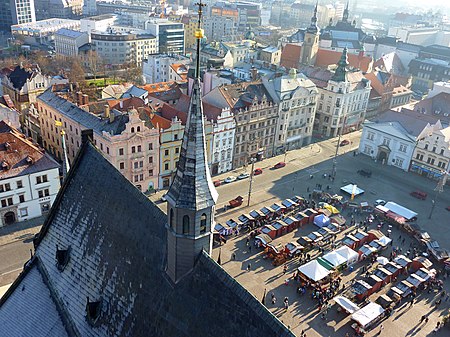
[426,274]
[361,290]
[402,289]
[393,268]
[375,282]
[298,200]
[421,262]
[278,209]
[384,274]
[374,235]
[310,213]
[245,219]
[302,218]
[403,261]
[269,230]
[262,240]
[291,222]
[315,237]
[366,251]
[414,280]
[280,227]
[266,211]
[256,214]
[326,233]
[362,238]
[294,249]
[350,241]
[289,204]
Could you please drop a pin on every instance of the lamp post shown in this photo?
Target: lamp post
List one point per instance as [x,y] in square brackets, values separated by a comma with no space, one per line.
[333,172]
[253,160]
[439,189]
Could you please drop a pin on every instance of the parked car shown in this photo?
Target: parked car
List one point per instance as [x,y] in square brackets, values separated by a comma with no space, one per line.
[380,202]
[217,183]
[344,142]
[229,179]
[419,195]
[365,173]
[279,165]
[243,176]
[257,171]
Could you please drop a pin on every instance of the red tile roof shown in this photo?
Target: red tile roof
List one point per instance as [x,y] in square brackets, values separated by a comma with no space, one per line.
[20,156]
[290,56]
[160,122]
[327,57]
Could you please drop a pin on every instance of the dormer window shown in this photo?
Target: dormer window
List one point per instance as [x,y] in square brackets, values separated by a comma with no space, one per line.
[93,310]
[29,160]
[62,258]
[5,165]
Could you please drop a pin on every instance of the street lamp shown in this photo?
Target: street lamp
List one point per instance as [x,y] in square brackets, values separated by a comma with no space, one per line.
[439,189]
[253,160]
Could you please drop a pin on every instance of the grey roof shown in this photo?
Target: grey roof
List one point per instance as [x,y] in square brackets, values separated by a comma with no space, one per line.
[69,33]
[411,121]
[135,91]
[192,187]
[392,128]
[117,240]
[86,119]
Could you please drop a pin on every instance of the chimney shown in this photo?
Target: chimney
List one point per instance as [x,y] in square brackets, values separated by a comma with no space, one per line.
[107,112]
[111,117]
[254,73]
[79,98]
[85,99]
[87,135]
[121,104]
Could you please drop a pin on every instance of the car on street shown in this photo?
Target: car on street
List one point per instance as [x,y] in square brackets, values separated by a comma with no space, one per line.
[380,202]
[229,179]
[365,173]
[257,171]
[217,183]
[344,142]
[243,176]
[419,195]
[279,165]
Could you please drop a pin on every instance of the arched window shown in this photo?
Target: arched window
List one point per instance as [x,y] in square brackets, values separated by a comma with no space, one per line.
[203,224]
[138,129]
[132,130]
[186,224]
[171,218]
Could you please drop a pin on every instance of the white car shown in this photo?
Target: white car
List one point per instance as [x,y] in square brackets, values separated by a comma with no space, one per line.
[380,202]
[243,176]
[229,179]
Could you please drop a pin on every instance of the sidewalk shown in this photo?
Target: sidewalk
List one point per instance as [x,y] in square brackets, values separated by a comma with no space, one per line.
[21,231]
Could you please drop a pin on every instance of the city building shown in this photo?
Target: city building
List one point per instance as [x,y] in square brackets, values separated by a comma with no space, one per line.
[270,55]
[68,42]
[431,156]
[8,113]
[426,71]
[295,96]
[123,46]
[164,68]
[99,23]
[343,98]
[125,139]
[90,7]
[13,12]
[63,9]
[190,24]
[100,228]
[42,32]
[168,92]
[24,84]
[169,35]
[29,178]
[220,28]
[256,117]
[421,35]
[387,142]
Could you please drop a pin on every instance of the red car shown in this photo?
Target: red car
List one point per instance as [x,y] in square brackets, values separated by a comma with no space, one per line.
[344,142]
[257,171]
[279,165]
[217,183]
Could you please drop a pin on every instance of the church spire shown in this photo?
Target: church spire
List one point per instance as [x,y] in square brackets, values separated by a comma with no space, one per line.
[340,75]
[345,16]
[192,196]
[313,26]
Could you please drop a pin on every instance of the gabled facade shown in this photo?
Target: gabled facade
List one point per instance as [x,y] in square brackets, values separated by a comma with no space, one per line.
[130,144]
[29,178]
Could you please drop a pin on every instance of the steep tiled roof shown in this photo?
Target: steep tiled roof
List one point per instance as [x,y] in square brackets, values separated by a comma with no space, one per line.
[290,55]
[160,122]
[15,149]
[19,76]
[439,103]
[327,57]
[117,256]
[211,111]
[242,95]
[83,117]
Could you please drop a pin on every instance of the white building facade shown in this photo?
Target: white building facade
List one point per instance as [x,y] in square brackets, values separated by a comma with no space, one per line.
[388,143]
[27,190]
[224,127]
[68,42]
[156,68]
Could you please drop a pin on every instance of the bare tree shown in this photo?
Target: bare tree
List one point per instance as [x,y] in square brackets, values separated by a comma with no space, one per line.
[94,63]
[76,74]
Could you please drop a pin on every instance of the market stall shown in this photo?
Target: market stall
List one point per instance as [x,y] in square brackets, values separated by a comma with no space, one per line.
[403,261]
[315,237]
[262,240]
[366,251]
[393,268]
[266,211]
[384,274]
[321,220]
[338,219]
[256,214]
[361,290]
[336,260]
[223,229]
[367,317]
[345,304]
[280,227]
[310,213]
[289,204]
[244,219]
[326,233]
[402,289]
[269,230]
[350,241]
[349,254]
[302,218]
[375,282]
[279,209]
[400,210]
[294,249]
[425,274]
[291,223]
[313,271]
[362,237]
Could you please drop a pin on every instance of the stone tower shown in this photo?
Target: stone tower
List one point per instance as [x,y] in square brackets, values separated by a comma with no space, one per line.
[192,196]
[340,75]
[310,45]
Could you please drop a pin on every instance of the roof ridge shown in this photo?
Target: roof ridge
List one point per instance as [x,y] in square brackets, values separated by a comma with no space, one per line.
[245,295]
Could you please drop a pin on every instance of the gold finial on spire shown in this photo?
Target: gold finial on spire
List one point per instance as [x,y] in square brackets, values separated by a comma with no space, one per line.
[199,34]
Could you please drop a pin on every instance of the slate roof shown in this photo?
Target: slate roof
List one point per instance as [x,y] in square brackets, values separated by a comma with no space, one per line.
[117,240]
[242,95]
[86,119]
[19,76]
[192,187]
[20,148]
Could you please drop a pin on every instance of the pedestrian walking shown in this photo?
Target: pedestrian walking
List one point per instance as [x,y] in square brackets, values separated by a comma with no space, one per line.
[250,249]
[233,257]
[249,267]
[284,269]
[422,318]
[426,320]
[274,299]
[381,328]
[286,302]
